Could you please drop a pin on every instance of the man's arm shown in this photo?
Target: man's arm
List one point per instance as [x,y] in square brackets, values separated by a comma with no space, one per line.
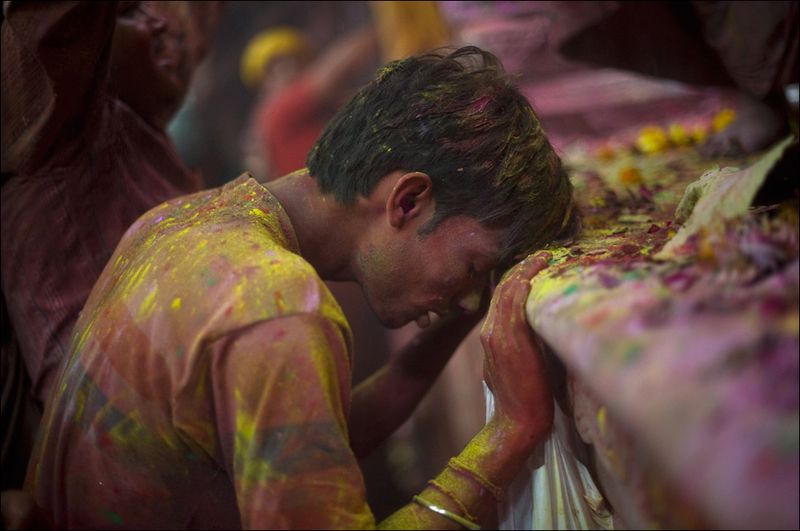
[54,63]
[279,389]
[382,402]
[279,406]
[515,371]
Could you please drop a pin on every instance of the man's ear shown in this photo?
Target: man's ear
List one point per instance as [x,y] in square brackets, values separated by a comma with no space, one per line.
[410,196]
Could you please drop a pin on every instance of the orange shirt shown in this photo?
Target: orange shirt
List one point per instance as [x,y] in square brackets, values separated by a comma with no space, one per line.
[208,381]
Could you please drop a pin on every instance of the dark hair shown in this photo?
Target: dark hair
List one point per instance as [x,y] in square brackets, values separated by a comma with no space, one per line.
[458,118]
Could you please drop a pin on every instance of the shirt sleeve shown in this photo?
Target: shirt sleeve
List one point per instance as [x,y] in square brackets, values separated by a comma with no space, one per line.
[281,425]
[54,64]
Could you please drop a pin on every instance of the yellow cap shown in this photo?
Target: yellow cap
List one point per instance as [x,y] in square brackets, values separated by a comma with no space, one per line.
[265,47]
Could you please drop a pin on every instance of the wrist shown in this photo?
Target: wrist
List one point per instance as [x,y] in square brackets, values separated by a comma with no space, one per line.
[527,432]
[471,485]
[498,451]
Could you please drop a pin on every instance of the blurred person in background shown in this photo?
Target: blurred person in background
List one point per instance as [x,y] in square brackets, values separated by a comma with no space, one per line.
[299,90]
[297,93]
[87,91]
[594,69]
[748,48]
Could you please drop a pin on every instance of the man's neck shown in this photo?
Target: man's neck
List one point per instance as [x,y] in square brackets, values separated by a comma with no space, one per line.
[326,231]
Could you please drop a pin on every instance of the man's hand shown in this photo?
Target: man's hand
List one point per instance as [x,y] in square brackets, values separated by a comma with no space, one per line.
[514,368]
[21,512]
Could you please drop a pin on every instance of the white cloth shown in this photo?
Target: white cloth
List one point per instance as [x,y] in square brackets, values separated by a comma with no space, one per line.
[553,490]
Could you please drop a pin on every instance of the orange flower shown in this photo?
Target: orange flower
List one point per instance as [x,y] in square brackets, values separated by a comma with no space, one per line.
[630,176]
[723,119]
[605,152]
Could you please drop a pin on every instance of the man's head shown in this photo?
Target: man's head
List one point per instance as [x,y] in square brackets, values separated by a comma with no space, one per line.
[471,171]
[151,60]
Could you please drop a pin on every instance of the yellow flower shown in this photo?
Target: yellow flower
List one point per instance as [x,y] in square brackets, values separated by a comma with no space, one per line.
[678,135]
[705,252]
[723,119]
[652,139]
[699,134]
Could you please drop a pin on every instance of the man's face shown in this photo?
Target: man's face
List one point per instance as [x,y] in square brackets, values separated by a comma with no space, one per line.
[151,62]
[442,272]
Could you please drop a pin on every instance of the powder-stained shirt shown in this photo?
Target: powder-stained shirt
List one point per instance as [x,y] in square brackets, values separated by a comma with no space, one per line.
[208,381]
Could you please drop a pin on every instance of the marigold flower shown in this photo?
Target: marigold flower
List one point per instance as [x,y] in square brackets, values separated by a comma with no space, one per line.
[630,176]
[723,119]
[699,134]
[652,139]
[678,135]
[605,152]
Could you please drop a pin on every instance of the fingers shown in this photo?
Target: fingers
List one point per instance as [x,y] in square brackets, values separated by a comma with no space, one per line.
[533,264]
[19,510]
[508,302]
[517,280]
[529,267]
[507,310]
[513,367]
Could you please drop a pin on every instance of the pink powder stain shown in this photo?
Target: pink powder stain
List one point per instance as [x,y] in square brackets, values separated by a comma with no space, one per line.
[312,300]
